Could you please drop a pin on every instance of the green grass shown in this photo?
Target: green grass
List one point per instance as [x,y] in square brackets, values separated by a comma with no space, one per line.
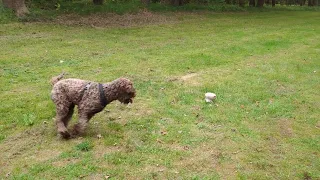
[263,66]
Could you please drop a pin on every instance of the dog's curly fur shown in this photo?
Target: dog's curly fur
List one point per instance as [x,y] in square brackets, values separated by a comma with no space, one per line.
[67,93]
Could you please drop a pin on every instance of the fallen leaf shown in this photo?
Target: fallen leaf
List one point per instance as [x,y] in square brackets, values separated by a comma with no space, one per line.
[106,177]
[159,141]
[164,132]
[82,176]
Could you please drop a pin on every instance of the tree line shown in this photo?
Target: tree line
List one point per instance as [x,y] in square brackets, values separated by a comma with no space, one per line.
[20,8]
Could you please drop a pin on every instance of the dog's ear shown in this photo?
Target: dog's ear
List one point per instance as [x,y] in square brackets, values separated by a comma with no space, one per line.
[130,89]
[127,86]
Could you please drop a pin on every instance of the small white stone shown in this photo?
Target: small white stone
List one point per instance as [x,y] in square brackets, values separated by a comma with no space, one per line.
[209,97]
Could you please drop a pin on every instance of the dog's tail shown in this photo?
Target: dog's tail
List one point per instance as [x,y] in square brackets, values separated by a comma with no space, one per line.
[55,79]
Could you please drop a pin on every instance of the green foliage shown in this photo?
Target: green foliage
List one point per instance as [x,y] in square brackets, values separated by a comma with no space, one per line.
[6,15]
[2,137]
[216,7]
[71,154]
[117,7]
[84,146]
[29,119]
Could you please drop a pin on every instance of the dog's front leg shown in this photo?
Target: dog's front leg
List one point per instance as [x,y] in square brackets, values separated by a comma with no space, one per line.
[63,131]
[82,124]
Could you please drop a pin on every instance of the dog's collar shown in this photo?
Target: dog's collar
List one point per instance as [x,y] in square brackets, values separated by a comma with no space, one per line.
[103,99]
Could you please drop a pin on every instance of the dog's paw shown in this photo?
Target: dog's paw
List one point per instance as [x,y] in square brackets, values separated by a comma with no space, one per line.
[65,135]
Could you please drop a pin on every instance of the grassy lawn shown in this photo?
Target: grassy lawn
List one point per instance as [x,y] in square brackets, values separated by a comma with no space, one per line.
[263,66]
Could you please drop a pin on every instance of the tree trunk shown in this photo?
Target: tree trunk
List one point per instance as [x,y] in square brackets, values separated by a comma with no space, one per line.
[176,2]
[145,2]
[260,3]
[18,6]
[241,3]
[273,3]
[252,3]
[310,2]
[267,2]
[97,2]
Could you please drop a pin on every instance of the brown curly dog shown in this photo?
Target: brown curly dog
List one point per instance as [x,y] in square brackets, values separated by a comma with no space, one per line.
[90,97]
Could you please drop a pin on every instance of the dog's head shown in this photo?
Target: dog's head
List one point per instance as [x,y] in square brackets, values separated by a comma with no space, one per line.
[127,91]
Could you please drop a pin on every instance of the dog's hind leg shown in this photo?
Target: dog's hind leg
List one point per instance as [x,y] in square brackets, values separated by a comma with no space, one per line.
[64,114]
[69,116]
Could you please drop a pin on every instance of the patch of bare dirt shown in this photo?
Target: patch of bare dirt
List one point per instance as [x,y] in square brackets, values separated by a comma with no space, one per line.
[188,76]
[65,162]
[285,127]
[192,79]
[100,150]
[44,154]
[95,177]
[115,20]
[155,169]
[207,158]
[318,125]
[26,148]
[17,145]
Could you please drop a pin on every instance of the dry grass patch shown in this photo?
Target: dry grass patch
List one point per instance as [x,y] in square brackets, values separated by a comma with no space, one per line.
[100,150]
[191,79]
[26,147]
[65,162]
[285,127]
[114,20]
